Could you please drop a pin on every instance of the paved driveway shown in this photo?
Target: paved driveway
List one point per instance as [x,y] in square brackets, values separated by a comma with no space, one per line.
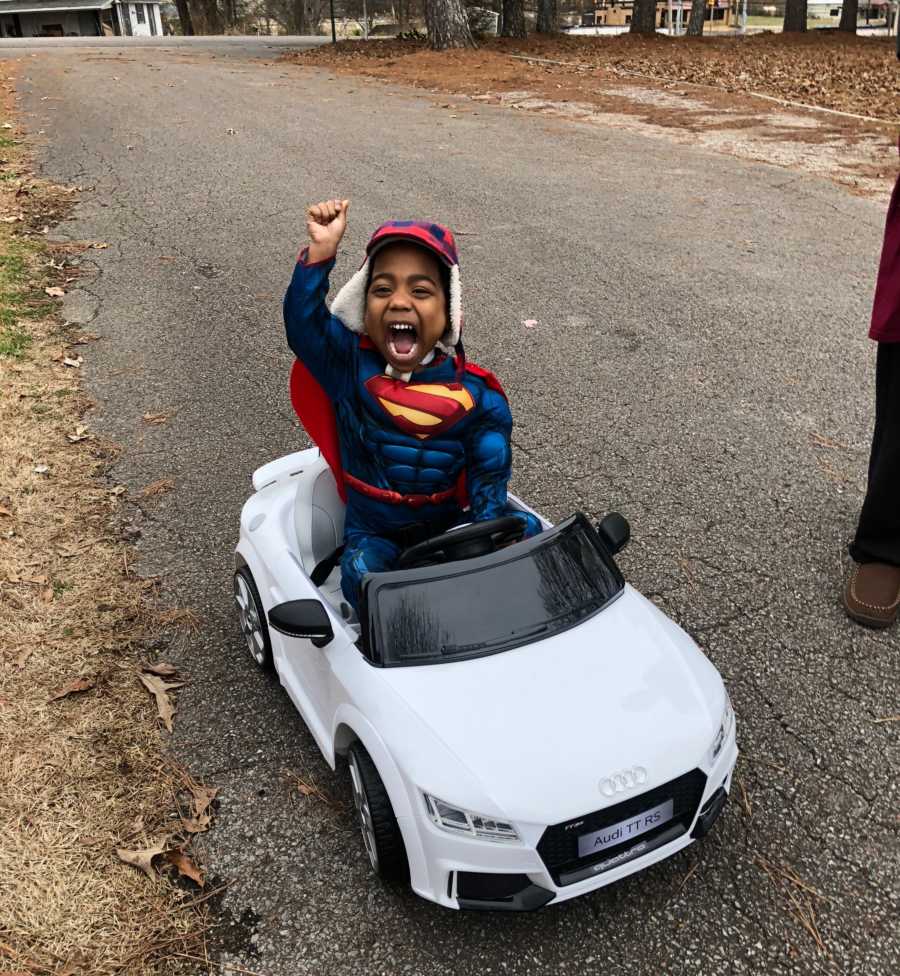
[698,362]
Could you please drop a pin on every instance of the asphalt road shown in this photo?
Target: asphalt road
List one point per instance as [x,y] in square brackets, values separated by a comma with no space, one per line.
[699,363]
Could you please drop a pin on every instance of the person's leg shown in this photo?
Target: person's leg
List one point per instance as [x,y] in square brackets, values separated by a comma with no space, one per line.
[872,595]
[878,533]
[364,554]
[532,522]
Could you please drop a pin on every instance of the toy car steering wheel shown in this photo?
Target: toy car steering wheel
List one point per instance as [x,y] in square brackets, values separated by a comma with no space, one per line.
[477,539]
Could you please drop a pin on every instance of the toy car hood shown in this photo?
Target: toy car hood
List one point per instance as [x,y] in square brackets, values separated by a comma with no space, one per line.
[627,688]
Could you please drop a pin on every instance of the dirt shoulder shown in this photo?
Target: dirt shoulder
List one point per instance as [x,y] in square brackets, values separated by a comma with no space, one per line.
[822,103]
[91,810]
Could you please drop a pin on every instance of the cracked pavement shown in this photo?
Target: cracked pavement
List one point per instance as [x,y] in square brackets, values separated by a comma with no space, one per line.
[699,363]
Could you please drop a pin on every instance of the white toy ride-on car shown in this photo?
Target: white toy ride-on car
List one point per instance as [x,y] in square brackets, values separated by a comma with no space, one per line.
[521,725]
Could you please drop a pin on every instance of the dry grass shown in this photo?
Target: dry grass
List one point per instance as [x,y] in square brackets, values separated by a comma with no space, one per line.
[81,753]
[801,896]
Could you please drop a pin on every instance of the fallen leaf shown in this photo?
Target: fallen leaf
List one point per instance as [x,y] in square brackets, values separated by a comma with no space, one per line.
[155,418]
[159,689]
[529,323]
[5,511]
[143,859]
[73,687]
[99,245]
[41,469]
[162,668]
[11,220]
[6,125]
[158,487]
[80,434]
[54,291]
[203,797]
[118,490]
[47,594]
[185,866]
[22,659]
[74,363]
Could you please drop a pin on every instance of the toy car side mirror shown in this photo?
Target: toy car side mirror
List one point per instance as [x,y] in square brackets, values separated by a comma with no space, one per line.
[615,532]
[303,618]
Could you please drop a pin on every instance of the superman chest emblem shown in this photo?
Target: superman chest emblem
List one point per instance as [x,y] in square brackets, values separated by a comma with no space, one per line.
[421,409]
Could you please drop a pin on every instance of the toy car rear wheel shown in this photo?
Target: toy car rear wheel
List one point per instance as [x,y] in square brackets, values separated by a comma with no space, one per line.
[377,822]
[252,618]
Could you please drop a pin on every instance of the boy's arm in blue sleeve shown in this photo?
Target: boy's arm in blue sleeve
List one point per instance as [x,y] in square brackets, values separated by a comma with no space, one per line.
[318,339]
[489,458]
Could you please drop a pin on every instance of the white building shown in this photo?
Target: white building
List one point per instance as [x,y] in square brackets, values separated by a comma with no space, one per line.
[78,18]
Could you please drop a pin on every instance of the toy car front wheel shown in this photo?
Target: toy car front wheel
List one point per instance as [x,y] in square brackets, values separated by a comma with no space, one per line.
[252,618]
[377,823]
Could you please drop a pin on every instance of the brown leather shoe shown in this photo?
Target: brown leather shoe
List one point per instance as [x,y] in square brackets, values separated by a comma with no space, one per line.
[872,594]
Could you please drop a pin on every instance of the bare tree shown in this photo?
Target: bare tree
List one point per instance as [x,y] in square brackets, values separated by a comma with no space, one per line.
[643,17]
[184,15]
[697,18]
[849,15]
[547,17]
[447,24]
[513,19]
[794,16]
[205,17]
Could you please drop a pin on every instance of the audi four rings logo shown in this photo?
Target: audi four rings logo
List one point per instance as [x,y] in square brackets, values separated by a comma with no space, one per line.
[627,779]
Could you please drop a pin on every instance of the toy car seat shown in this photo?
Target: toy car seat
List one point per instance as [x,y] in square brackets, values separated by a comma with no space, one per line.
[318,515]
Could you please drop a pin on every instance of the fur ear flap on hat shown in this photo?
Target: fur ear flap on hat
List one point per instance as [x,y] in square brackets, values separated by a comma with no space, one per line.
[349,304]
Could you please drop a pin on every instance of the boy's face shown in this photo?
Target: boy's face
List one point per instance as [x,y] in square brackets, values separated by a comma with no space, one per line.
[406,309]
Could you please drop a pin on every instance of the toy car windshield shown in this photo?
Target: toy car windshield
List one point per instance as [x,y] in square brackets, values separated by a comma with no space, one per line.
[482,606]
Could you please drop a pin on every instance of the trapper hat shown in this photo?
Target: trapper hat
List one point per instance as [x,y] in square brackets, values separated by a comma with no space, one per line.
[349,304]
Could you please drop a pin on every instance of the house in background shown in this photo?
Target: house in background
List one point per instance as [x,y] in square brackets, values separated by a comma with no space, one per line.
[617,13]
[78,18]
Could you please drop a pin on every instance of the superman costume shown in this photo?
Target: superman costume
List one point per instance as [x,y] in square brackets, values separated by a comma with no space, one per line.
[413,449]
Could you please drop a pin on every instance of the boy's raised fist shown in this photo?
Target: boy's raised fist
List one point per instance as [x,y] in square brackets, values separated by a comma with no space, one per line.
[326,223]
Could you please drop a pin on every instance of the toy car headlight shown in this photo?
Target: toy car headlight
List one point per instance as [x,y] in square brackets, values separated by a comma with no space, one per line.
[725,728]
[458,821]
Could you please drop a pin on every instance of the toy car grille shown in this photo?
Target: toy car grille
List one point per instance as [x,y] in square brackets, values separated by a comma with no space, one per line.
[558,846]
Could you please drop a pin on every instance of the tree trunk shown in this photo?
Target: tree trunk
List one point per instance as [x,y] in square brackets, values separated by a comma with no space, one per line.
[513,19]
[184,16]
[298,15]
[447,24]
[402,17]
[849,13]
[547,17]
[205,17]
[698,17]
[643,17]
[794,16]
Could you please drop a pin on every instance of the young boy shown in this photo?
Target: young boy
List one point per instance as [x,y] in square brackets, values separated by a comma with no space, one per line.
[412,416]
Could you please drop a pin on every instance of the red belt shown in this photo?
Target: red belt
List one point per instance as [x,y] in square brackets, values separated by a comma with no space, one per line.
[394,497]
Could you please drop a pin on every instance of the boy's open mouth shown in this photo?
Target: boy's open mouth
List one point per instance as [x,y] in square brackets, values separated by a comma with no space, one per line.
[403,341]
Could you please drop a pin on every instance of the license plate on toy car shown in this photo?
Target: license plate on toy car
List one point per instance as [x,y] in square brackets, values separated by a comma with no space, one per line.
[625,830]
